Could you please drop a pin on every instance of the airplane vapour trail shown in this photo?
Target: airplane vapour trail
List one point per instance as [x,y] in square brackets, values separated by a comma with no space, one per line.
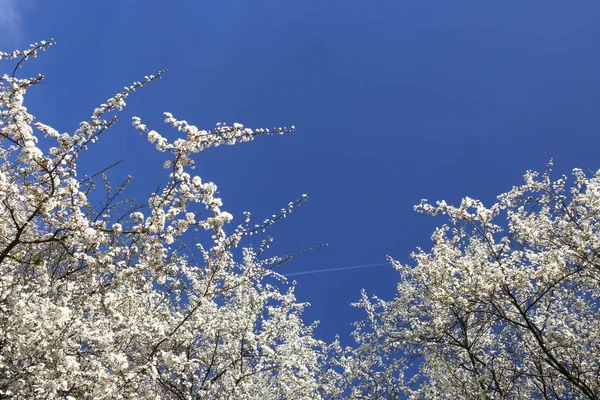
[319,271]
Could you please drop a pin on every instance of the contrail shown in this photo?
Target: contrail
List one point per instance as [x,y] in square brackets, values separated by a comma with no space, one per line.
[318,271]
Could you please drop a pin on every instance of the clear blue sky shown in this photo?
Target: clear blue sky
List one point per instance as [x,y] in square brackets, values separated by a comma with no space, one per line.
[394,101]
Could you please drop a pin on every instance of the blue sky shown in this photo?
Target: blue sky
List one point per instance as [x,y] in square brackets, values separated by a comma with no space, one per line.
[394,101]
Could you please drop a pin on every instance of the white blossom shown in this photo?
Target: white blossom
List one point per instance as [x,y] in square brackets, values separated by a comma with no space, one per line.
[497,309]
[110,301]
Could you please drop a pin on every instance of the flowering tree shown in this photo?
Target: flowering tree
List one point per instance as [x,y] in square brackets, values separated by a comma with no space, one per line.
[109,301]
[505,305]
[112,301]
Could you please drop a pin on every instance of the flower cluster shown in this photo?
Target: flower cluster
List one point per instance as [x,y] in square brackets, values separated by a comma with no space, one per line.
[504,309]
[110,301]
[117,300]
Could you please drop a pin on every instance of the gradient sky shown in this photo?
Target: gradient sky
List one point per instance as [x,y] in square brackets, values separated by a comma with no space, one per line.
[394,101]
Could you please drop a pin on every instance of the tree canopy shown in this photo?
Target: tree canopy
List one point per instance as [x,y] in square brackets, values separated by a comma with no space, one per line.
[110,301]
[116,301]
[504,305]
